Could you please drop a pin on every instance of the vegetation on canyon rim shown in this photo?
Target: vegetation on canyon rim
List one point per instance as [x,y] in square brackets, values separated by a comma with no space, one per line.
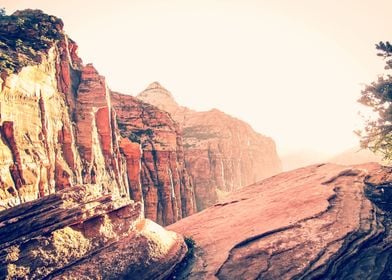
[24,37]
[377,134]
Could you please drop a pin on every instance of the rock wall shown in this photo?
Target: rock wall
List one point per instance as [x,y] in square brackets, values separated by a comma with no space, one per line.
[154,154]
[34,118]
[65,205]
[221,153]
[59,128]
[56,126]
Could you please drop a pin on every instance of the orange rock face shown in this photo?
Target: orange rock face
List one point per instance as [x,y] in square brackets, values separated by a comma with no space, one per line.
[156,163]
[96,137]
[47,145]
[65,170]
[221,153]
[59,129]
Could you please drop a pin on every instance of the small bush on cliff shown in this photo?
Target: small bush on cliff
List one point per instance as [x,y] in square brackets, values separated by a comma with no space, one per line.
[180,271]
[134,137]
[191,244]
[377,134]
[25,36]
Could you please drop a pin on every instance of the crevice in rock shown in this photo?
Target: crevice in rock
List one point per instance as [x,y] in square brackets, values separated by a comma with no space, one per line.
[44,132]
[16,170]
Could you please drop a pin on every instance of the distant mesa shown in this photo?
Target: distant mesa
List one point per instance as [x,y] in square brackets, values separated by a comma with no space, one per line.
[352,156]
[356,155]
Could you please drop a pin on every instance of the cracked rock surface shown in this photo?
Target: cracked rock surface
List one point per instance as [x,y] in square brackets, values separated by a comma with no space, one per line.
[319,222]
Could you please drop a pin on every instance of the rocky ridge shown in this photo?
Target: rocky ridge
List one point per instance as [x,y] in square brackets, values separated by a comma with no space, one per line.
[221,153]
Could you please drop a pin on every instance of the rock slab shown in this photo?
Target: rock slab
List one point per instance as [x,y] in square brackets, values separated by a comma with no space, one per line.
[320,222]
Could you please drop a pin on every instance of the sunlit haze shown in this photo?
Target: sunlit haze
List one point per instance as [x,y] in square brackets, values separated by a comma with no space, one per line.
[292,69]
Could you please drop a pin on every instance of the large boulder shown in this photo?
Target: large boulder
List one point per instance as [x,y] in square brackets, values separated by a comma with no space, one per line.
[84,233]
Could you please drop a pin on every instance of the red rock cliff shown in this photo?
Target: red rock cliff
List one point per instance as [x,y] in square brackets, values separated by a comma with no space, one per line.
[155,159]
[65,207]
[59,128]
[222,153]
[57,125]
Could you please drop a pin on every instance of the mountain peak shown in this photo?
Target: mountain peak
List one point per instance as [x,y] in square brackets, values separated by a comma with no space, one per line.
[159,96]
[156,89]
[155,85]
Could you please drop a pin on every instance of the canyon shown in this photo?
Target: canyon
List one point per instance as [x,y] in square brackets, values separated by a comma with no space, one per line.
[62,126]
[89,177]
[222,153]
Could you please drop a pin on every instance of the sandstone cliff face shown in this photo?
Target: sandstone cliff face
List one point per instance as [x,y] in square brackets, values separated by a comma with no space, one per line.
[319,222]
[156,162]
[56,134]
[59,128]
[221,153]
[64,185]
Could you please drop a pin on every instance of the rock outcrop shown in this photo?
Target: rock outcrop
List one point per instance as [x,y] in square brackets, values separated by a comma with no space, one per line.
[221,153]
[155,159]
[319,222]
[84,232]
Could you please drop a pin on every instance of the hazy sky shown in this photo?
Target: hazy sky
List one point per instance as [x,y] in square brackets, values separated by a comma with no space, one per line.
[292,69]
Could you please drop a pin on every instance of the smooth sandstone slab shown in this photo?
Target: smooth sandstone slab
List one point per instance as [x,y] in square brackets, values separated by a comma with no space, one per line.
[311,223]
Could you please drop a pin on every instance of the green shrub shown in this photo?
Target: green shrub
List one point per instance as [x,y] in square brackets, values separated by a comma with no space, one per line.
[191,244]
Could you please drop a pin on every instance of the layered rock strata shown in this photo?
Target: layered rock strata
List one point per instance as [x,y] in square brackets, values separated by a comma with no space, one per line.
[221,153]
[84,232]
[155,159]
[320,222]
[59,127]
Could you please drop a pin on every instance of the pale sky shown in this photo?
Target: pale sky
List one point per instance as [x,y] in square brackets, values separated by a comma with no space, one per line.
[291,69]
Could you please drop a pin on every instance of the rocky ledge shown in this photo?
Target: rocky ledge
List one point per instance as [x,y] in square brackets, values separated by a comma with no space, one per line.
[84,233]
[320,222]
